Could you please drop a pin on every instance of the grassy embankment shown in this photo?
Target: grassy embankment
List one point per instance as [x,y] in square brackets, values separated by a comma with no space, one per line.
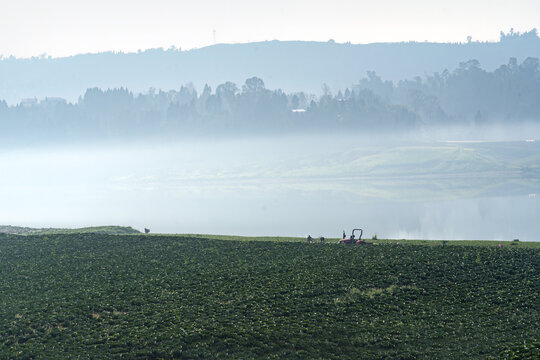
[107,230]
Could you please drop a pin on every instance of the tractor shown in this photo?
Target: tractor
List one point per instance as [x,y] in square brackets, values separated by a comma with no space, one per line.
[352,240]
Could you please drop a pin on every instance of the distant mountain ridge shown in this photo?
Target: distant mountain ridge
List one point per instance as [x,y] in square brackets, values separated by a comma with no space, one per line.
[289,65]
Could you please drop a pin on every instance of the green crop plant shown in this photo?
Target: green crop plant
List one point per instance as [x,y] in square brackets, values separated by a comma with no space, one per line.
[91,296]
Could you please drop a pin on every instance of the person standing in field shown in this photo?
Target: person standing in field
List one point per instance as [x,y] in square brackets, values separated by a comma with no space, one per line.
[309,239]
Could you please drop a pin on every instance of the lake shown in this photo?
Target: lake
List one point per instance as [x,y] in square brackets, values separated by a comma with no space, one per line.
[286,186]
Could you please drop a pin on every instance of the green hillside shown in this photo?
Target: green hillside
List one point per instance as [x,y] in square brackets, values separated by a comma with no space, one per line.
[437,159]
[433,171]
[109,230]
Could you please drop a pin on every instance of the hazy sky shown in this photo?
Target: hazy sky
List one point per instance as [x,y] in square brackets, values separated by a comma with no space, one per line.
[65,27]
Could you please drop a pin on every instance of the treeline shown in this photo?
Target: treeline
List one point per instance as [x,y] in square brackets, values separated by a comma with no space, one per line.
[466,95]
[228,110]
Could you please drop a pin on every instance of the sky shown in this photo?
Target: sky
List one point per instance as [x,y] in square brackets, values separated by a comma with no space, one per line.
[67,27]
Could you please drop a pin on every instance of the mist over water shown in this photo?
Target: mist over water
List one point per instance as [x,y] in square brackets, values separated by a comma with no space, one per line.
[287,186]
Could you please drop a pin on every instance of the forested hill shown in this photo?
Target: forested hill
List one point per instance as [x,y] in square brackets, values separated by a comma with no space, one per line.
[468,95]
[291,65]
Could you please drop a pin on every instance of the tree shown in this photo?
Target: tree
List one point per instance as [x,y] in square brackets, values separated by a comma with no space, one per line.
[228,90]
[253,85]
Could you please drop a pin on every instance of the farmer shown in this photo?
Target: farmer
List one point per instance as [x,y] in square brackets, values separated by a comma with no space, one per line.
[322,239]
[309,239]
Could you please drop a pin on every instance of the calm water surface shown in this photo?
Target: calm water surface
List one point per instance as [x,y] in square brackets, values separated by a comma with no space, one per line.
[273,187]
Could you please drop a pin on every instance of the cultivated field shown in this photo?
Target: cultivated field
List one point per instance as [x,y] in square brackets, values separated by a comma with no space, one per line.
[92,296]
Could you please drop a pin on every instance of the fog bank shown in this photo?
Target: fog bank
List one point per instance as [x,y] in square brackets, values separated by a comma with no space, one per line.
[318,185]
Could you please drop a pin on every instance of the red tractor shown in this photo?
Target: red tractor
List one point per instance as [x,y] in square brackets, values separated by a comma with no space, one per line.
[352,240]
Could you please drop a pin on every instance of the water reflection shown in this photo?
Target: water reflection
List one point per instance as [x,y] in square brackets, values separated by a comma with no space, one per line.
[279,187]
